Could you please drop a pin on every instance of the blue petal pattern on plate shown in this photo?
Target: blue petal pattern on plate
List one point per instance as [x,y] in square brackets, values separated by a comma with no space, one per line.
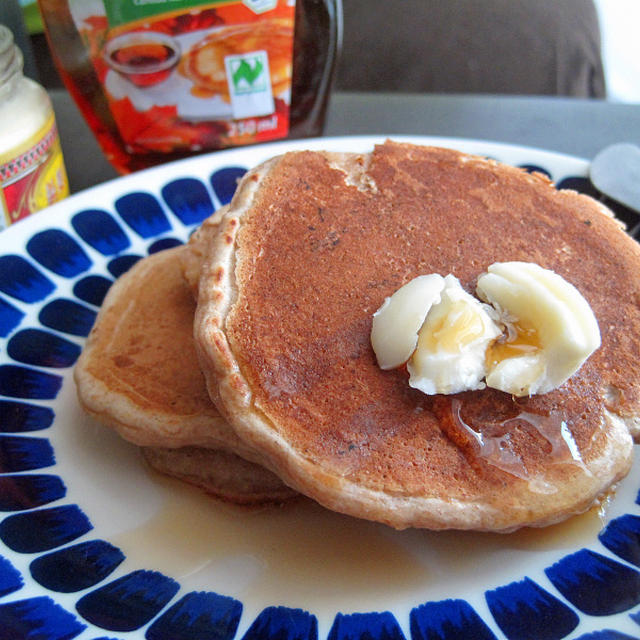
[44,529]
[10,318]
[283,623]
[18,453]
[143,213]
[605,634]
[138,601]
[100,231]
[128,603]
[37,619]
[224,182]
[77,567]
[21,280]
[20,417]
[92,289]
[448,620]
[596,584]
[188,199]
[67,316]
[10,578]
[164,243]
[58,252]
[122,264]
[622,536]
[366,626]
[22,382]
[21,492]
[41,348]
[199,616]
[524,610]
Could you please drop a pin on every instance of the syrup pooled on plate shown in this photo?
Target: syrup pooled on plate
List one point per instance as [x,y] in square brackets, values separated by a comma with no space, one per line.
[302,555]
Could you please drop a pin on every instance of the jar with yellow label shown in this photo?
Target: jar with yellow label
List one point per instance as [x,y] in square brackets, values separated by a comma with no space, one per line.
[32,173]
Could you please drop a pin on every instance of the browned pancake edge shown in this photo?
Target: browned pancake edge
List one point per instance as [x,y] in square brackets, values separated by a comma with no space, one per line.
[309,249]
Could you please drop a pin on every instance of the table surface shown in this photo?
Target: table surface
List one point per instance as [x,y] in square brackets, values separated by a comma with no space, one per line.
[574,126]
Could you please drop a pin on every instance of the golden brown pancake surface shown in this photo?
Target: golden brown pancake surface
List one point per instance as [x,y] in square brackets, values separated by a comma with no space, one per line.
[139,361]
[309,250]
[139,374]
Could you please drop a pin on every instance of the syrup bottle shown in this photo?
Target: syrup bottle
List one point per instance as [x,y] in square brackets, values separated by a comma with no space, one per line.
[164,80]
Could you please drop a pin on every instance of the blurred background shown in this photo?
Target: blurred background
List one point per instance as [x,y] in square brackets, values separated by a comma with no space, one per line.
[579,48]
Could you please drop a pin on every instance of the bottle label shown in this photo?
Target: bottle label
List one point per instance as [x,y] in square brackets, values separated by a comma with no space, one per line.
[184,75]
[32,176]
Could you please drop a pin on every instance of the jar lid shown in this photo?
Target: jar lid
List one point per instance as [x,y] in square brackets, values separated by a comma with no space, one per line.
[10,55]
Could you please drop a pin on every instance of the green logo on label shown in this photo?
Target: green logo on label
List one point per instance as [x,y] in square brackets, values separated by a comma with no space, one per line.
[247,74]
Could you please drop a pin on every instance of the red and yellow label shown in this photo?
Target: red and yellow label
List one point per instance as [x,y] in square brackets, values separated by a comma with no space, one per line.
[32,175]
[191,76]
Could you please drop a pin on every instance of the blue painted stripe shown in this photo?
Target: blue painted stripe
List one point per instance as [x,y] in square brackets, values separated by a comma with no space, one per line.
[283,623]
[524,610]
[10,318]
[57,251]
[67,316]
[19,453]
[76,567]
[128,603]
[622,537]
[100,231]
[38,619]
[188,199]
[365,626]
[10,577]
[225,181]
[20,417]
[44,529]
[448,620]
[122,264]
[22,281]
[596,584]
[164,243]
[198,616]
[92,289]
[22,382]
[21,492]
[143,213]
[606,634]
[42,349]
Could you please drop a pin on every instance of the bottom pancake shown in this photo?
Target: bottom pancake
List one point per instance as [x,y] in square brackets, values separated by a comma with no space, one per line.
[138,374]
[219,473]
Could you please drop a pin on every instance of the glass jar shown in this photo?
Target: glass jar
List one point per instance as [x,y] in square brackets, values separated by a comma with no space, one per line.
[32,173]
[164,80]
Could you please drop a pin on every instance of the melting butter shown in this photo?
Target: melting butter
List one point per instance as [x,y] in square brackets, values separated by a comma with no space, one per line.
[452,342]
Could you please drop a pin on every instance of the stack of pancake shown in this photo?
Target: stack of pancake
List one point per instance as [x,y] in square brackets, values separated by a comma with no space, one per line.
[241,362]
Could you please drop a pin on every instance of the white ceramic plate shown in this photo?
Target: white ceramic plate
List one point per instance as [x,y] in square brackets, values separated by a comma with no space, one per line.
[93,545]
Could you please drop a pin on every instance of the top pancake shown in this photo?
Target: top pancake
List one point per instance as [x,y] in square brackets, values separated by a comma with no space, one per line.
[309,249]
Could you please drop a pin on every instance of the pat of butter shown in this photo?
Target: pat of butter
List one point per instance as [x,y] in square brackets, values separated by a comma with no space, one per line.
[396,323]
[532,331]
[550,320]
[452,342]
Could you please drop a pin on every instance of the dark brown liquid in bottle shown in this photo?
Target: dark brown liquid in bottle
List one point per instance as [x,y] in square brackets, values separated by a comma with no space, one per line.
[316,45]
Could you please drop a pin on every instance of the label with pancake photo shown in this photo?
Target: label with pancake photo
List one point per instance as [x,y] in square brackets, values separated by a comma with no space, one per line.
[184,75]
